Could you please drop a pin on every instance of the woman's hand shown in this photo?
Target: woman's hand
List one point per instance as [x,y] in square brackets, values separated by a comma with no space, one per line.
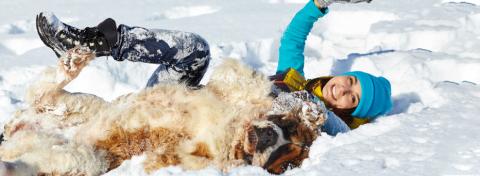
[326,3]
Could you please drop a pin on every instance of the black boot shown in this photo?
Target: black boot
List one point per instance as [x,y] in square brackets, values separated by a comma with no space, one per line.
[62,37]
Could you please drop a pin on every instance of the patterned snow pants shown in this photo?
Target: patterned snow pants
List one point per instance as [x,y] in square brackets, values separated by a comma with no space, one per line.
[183,57]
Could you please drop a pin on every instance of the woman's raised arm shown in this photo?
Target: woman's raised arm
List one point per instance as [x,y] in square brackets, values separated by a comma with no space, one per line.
[292,44]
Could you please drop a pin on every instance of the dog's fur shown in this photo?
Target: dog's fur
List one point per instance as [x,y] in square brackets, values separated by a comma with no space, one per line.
[220,125]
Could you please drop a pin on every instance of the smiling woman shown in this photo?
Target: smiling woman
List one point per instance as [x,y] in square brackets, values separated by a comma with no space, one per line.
[343,92]
[357,97]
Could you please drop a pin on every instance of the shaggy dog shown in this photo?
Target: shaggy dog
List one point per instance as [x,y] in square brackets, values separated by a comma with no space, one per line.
[231,121]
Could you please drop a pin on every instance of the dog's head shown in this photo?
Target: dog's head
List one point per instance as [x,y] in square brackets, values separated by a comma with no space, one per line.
[276,142]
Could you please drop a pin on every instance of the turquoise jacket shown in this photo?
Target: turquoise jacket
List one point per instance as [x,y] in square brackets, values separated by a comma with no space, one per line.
[291,51]
[292,44]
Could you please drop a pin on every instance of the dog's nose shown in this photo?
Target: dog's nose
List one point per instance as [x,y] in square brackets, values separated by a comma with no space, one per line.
[266,136]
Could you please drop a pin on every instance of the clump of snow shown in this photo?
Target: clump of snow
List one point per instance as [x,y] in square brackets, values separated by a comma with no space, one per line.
[428,49]
[183,12]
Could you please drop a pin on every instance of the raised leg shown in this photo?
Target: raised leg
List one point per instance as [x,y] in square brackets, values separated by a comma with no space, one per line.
[47,95]
[184,56]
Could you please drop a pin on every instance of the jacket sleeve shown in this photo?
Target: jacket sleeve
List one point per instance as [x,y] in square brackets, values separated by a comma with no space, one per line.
[334,125]
[292,44]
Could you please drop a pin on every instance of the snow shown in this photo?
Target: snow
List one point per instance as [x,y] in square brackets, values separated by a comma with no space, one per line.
[184,12]
[428,49]
[476,2]
[22,45]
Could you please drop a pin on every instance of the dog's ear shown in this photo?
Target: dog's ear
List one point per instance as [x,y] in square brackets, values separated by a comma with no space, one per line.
[288,155]
[303,135]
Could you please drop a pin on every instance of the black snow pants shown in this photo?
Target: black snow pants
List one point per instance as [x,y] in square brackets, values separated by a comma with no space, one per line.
[183,57]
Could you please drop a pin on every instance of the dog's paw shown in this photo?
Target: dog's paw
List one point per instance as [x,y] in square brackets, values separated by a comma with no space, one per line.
[312,115]
[75,58]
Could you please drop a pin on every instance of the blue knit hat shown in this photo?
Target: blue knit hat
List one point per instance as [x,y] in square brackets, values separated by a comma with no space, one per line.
[376,95]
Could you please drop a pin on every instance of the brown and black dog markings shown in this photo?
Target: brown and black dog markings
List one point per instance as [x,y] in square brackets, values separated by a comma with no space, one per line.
[227,123]
[292,154]
[284,137]
[299,119]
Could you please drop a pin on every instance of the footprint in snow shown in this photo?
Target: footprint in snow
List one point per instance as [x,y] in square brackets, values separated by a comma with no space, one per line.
[470,2]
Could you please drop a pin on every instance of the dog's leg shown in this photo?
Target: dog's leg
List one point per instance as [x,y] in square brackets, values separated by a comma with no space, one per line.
[47,94]
[44,94]
[71,64]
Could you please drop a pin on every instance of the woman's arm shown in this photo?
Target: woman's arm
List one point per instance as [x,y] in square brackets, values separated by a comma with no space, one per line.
[334,125]
[292,44]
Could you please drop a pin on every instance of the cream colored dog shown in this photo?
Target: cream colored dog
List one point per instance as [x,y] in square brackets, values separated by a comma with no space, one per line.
[220,125]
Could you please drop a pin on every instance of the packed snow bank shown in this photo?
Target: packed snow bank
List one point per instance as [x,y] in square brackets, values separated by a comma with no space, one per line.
[22,45]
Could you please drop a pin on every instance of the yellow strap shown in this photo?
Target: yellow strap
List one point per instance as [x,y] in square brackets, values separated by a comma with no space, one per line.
[294,80]
[356,122]
[317,91]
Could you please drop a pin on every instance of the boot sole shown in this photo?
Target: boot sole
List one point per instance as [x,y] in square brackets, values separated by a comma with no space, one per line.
[46,35]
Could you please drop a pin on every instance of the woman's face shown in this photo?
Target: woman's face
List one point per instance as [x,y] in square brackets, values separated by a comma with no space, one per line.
[342,92]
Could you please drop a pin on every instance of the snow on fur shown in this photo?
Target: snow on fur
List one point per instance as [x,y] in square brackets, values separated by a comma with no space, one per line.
[169,122]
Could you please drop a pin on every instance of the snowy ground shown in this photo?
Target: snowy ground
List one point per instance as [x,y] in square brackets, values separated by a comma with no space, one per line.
[428,49]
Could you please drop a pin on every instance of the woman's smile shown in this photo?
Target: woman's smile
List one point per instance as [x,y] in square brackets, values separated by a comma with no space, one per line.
[333,92]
